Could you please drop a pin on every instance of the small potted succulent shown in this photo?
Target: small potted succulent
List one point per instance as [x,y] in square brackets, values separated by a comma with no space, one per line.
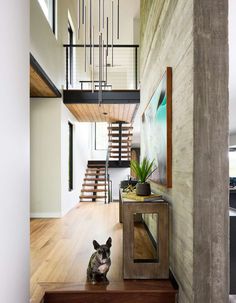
[142,171]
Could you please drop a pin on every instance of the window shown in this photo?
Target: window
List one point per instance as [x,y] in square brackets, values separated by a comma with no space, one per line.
[49,9]
[70,179]
[70,54]
[101,136]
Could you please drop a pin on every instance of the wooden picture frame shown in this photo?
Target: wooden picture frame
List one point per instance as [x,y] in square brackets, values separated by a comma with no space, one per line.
[157,131]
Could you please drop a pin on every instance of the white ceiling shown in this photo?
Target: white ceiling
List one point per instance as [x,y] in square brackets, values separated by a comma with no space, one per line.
[232,66]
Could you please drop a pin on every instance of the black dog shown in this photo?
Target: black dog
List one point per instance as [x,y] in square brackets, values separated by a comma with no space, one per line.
[99,262]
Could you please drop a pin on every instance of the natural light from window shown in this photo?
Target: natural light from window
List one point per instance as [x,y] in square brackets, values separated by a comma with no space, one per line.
[48,8]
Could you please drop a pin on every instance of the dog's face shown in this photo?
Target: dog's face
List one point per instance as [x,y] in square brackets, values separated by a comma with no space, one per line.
[103,251]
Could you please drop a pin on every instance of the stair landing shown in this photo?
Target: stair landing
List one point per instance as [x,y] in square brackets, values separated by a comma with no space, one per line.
[129,291]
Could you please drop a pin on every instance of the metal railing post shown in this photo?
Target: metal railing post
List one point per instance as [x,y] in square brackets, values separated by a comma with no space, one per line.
[67,67]
[136,68]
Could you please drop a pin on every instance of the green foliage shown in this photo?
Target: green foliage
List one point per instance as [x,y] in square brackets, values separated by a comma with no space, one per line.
[142,170]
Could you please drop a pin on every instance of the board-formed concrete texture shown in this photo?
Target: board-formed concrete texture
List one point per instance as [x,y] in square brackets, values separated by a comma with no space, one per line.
[178,34]
[211,171]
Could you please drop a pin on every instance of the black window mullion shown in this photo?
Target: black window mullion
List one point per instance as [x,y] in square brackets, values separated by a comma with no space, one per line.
[70,156]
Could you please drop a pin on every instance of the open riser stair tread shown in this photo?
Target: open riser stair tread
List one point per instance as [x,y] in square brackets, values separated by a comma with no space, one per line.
[95,174]
[93,190]
[95,185]
[94,179]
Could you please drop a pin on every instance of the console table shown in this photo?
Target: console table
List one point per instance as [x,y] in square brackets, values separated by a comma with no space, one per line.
[145,237]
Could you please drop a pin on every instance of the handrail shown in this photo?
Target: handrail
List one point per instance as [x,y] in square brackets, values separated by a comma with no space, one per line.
[107,177]
[73,63]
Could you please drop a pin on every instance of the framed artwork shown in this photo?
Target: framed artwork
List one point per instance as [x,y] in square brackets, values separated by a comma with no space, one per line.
[157,131]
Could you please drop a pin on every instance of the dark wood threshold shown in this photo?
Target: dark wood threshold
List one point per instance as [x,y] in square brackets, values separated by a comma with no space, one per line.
[127,291]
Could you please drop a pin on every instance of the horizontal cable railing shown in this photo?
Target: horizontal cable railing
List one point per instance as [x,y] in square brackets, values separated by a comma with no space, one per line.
[118,67]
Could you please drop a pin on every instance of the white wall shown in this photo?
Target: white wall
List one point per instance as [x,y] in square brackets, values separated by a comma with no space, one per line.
[232,139]
[48,49]
[50,196]
[45,157]
[14,152]
[81,152]
[117,175]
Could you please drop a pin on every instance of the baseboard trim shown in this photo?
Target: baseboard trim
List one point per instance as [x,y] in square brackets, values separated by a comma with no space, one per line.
[45,215]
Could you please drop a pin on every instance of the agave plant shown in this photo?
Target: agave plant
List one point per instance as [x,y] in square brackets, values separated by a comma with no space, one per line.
[142,170]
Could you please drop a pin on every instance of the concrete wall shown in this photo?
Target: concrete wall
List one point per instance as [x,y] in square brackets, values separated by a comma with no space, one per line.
[178,34]
[211,169]
[167,40]
[14,152]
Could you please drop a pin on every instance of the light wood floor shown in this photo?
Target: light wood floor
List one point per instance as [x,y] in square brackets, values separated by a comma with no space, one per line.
[61,248]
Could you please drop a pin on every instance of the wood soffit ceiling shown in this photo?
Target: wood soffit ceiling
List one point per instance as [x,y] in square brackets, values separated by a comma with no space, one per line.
[104,112]
[40,84]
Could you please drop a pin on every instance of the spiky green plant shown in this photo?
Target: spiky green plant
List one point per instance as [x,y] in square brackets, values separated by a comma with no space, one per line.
[142,170]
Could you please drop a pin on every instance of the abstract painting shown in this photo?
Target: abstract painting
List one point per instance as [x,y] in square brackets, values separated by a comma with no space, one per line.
[157,131]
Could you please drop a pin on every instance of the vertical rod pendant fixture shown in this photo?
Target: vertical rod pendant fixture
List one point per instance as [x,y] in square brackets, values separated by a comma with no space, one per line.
[93,60]
[90,32]
[78,7]
[112,33]
[106,67]
[83,11]
[85,33]
[100,70]
[118,19]
[99,15]
[103,13]
[107,35]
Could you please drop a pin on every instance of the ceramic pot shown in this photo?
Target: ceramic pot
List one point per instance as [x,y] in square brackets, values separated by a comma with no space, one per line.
[143,189]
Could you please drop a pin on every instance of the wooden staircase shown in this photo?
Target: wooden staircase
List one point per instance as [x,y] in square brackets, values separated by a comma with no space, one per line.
[138,291]
[95,187]
[119,139]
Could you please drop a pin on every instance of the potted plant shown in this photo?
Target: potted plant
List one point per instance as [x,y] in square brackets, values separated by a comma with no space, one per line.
[142,171]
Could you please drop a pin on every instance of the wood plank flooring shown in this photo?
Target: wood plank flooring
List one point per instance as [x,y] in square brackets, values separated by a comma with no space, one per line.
[61,248]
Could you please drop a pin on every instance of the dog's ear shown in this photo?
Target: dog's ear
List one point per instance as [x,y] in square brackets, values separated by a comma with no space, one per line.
[108,243]
[95,244]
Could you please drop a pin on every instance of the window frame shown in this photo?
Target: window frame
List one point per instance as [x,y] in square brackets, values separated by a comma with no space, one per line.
[71,157]
[71,52]
[51,14]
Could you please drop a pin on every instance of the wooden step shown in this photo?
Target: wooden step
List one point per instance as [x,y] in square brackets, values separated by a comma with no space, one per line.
[93,184]
[93,190]
[94,179]
[100,169]
[92,197]
[122,158]
[117,152]
[122,128]
[122,135]
[96,166]
[118,141]
[150,291]
[117,147]
[95,174]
